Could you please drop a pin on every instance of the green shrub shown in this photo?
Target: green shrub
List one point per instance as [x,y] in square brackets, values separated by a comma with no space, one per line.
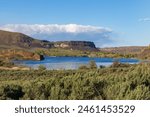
[6,63]
[101,66]
[41,68]
[113,83]
[118,64]
[92,64]
[12,92]
[83,67]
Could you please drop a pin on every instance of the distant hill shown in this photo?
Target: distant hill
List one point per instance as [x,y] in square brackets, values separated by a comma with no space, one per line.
[19,40]
[17,45]
[145,54]
[124,50]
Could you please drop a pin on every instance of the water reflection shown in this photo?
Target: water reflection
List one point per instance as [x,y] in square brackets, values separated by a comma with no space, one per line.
[72,62]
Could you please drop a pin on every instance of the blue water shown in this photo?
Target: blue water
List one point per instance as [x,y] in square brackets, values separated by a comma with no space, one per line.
[72,62]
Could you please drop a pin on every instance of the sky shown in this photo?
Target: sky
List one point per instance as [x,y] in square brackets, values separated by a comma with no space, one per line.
[105,22]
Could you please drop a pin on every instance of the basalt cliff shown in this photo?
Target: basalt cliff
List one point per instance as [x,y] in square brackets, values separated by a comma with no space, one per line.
[20,46]
[19,40]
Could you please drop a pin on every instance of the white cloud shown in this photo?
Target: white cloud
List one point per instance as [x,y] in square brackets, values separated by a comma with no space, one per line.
[55,32]
[144,19]
[53,28]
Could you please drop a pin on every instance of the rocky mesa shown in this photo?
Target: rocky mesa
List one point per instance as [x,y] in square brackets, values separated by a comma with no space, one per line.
[76,45]
[14,45]
[18,40]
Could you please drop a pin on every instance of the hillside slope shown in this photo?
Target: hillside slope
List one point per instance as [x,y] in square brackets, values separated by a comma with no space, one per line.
[145,54]
[18,40]
[124,50]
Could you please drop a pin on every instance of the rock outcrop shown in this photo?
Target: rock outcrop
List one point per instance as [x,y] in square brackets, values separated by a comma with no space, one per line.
[75,45]
[18,40]
[14,45]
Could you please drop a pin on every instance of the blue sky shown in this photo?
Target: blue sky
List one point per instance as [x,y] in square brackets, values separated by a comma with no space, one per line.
[129,20]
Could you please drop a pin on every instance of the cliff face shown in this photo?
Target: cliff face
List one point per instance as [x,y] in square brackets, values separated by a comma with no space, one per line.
[18,40]
[75,45]
[15,45]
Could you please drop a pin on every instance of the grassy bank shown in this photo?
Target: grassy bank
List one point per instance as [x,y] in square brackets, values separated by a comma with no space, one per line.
[68,52]
[124,82]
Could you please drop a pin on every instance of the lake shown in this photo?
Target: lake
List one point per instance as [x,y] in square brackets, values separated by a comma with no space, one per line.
[72,62]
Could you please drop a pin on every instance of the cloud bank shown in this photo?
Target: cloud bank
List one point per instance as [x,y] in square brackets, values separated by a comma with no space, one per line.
[55,32]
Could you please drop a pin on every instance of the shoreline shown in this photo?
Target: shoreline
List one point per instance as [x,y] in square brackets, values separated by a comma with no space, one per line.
[14,68]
